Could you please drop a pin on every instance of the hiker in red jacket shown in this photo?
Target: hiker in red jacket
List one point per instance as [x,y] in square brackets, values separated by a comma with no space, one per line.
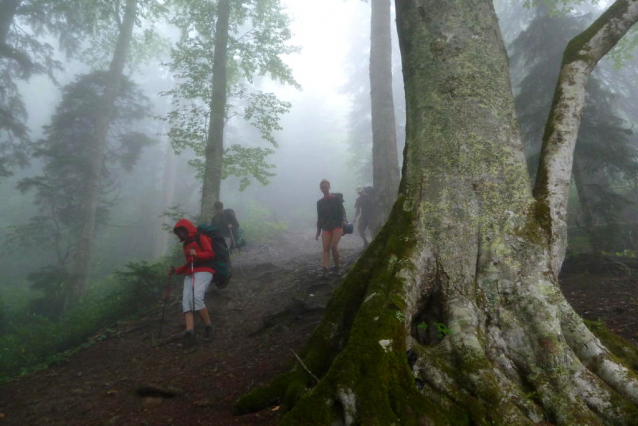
[199,273]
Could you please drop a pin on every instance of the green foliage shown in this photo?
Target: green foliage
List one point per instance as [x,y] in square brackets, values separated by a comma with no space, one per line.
[32,341]
[625,254]
[258,36]
[52,282]
[171,216]
[259,228]
[105,20]
[66,157]
[24,52]
[441,330]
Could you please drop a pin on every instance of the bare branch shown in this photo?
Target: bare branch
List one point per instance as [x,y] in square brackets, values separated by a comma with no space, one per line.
[554,174]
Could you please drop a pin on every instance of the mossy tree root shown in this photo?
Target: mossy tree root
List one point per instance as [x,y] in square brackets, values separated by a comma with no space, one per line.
[512,350]
[326,342]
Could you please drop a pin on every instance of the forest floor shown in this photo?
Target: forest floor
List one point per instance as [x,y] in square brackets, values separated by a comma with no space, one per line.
[273,303]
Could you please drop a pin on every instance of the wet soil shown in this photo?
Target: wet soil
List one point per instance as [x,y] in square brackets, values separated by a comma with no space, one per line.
[274,301]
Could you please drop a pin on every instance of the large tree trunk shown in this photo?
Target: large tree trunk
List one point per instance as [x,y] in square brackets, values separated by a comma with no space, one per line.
[215,142]
[385,162]
[97,152]
[460,274]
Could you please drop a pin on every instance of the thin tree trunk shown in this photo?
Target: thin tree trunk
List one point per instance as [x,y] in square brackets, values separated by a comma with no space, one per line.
[555,170]
[215,142]
[385,162]
[97,153]
[464,253]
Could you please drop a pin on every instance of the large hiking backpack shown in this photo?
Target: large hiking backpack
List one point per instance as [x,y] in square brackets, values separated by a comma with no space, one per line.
[369,190]
[221,261]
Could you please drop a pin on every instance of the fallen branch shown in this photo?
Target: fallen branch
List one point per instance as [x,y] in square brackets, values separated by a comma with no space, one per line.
[304,366]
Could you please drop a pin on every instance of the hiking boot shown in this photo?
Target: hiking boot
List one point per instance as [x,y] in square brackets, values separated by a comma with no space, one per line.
[208,333]
[188,339]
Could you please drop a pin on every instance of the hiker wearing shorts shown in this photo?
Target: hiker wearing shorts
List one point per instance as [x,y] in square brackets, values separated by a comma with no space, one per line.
[363,211]
[331,218]
[198,273]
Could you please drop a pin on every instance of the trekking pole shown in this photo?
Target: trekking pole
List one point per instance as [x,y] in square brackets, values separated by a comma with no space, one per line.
[232,237]
[193,286]
[168,286]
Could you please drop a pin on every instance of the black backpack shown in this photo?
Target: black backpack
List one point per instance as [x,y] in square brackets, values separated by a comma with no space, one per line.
[221,262]
[369,191]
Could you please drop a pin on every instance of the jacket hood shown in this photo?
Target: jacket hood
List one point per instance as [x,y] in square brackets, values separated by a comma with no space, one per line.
[185,223]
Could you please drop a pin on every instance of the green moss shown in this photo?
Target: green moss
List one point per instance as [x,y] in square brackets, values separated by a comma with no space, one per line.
[621,348]
[574,51]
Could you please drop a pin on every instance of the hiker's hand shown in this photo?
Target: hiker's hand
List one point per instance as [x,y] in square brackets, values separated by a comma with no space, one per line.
[317,236]
[230,225]
[193,252]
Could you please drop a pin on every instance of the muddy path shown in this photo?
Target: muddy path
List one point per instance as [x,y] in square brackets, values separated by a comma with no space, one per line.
[129,377]
[274,302]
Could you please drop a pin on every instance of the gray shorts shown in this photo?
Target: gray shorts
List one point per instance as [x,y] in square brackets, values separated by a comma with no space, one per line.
[202,280]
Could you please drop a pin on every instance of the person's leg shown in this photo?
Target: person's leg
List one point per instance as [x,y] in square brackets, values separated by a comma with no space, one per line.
[202,280]
[187,303]
[361,227]
[190,321]
[334,246]
[326,238]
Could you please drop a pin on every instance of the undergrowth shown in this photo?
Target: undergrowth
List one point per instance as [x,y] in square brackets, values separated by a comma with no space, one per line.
[30,342]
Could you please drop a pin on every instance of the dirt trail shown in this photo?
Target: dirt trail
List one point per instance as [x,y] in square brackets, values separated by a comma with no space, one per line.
[273,303]
[270,308]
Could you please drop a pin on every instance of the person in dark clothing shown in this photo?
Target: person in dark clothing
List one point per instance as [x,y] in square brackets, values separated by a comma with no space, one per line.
[331,218]
[199,273]
[226,222]
[363,210]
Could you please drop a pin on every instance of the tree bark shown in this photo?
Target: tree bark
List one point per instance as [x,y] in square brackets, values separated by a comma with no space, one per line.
[460,275]
[385,161]
[215,142]
[554,174]
[97,152]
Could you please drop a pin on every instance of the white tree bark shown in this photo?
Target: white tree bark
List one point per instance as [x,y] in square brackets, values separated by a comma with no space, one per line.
[554,174]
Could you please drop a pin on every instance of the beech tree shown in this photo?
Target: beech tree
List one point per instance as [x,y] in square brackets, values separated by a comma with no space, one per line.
[385,160]
[246,44]
[605,155]
[454,314]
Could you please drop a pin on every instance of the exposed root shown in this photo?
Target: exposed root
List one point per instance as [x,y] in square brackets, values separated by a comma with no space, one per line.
[513,351]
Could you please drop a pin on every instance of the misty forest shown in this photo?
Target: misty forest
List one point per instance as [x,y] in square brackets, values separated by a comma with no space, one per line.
[419,212]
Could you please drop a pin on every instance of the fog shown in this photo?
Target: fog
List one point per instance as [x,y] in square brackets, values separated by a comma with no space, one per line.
[325,135]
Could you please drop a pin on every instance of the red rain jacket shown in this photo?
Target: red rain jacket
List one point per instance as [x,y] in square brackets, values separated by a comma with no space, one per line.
[204,250]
